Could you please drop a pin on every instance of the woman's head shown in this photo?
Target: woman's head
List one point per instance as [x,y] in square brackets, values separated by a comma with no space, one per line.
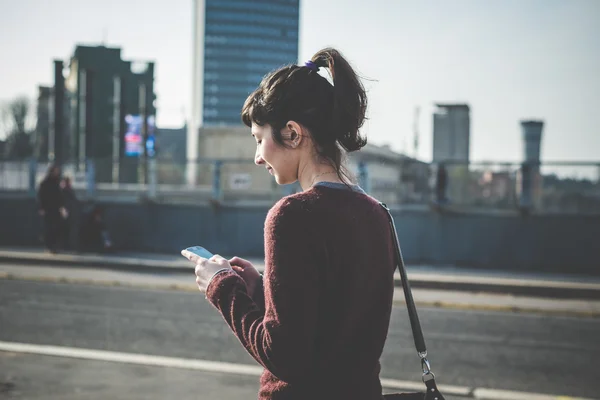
[53,171]
[295,112]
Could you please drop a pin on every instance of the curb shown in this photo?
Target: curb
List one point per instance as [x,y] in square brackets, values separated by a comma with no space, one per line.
[524,287]
[533,288]
[96,261]
[191,288]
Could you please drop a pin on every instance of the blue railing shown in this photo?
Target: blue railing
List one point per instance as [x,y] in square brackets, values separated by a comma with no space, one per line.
[558,186]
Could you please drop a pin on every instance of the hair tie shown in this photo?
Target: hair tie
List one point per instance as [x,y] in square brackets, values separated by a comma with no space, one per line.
[312,66]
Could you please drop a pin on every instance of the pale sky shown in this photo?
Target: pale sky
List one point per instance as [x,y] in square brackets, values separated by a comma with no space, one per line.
[508,59]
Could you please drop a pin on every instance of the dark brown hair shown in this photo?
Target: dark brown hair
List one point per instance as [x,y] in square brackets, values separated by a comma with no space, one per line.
[333,114]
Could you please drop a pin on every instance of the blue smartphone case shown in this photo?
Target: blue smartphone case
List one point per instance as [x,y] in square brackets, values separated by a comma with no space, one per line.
[200,251]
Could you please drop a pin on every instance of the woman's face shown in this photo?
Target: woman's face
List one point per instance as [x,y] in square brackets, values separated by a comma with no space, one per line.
[280,161]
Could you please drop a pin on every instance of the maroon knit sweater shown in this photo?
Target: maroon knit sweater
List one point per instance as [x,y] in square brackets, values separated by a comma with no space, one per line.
[319,325]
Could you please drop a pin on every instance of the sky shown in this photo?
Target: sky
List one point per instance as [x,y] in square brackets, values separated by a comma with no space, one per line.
[508,59]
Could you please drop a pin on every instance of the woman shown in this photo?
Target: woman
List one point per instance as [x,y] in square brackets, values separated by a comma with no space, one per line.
[51,206]
[318,320]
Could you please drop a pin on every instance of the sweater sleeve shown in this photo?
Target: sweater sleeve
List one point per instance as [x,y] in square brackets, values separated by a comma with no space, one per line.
[259,294]
[281,337]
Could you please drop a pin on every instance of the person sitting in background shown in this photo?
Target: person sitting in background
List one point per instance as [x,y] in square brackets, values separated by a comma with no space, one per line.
[93,234]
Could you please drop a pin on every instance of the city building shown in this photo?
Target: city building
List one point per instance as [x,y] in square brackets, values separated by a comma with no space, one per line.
[44,110]
[235,43]
[170,158]
[451,133]
[530,177]
[493,189]
[101,108]
[531,134]
[391,177]
[451,145]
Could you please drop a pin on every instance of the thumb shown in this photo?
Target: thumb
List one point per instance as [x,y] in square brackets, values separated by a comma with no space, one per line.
[240,262]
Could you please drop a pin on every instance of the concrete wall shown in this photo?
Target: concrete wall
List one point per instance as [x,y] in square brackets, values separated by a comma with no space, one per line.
[558,243]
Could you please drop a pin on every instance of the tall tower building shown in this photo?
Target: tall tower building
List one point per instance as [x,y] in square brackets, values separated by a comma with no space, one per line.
[451,133]
[451,145]
[531,132]
[235,43]
[530,175]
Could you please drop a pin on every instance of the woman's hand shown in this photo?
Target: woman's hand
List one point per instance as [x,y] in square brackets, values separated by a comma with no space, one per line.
[247,271]
[206,268]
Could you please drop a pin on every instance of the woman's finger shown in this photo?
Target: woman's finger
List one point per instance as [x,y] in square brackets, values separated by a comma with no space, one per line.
[217,259]
[190,256]
[237,268]
[200,266]
[240,262]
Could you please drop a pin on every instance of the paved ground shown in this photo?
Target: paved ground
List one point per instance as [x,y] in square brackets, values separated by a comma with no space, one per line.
[527,352]
[34,377]
[423,297]
[422,276]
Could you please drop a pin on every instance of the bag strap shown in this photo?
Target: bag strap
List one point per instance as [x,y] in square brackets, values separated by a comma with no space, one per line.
[410,303]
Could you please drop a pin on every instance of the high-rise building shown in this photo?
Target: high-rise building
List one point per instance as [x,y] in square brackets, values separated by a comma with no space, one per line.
[451,141]
[236,42]
[243,40]
[106,101]
[451,133]
[531,132]
[530,177]
[44,109]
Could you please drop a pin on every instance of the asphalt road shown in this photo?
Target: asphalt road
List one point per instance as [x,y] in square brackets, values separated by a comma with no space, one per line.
[511,351]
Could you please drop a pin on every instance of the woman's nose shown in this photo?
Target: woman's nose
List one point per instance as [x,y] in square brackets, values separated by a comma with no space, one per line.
[258,160]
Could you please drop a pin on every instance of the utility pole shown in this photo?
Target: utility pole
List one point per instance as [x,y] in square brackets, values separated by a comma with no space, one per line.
[58,116]
[144,116]
[416,132]
[116,156]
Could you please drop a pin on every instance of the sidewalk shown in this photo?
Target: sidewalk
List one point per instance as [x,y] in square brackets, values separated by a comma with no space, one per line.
[450,299]
[445,278]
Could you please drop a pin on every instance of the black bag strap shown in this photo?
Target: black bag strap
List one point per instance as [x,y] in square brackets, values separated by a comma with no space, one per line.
[410,303]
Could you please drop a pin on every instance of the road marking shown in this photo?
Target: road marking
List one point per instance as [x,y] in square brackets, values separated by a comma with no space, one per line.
[251,370]
[131,358]
[492,394]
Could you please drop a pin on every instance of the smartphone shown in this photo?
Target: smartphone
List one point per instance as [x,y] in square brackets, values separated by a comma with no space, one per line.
[200,251]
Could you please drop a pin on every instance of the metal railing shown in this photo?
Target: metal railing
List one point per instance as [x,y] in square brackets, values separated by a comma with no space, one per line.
[564,186]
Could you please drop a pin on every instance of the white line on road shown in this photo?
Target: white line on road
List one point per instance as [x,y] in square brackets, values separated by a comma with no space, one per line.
[252,370]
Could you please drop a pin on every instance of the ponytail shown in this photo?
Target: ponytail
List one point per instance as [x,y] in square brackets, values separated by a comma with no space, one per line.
[349,99]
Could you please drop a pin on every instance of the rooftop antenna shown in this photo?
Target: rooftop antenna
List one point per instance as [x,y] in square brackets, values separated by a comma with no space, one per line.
[104,36]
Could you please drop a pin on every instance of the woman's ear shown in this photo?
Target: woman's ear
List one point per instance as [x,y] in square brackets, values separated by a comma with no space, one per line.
[293,134]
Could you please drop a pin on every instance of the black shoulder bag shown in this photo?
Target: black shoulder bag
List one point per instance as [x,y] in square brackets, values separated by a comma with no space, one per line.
[432,392]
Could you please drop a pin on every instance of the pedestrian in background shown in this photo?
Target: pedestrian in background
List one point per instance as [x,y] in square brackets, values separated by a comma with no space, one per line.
[93,235]
[70,201]
[318,320]
[51,207]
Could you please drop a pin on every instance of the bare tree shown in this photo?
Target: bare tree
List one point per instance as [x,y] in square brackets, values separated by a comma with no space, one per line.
[16,122]
[5,121]
[19,111]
